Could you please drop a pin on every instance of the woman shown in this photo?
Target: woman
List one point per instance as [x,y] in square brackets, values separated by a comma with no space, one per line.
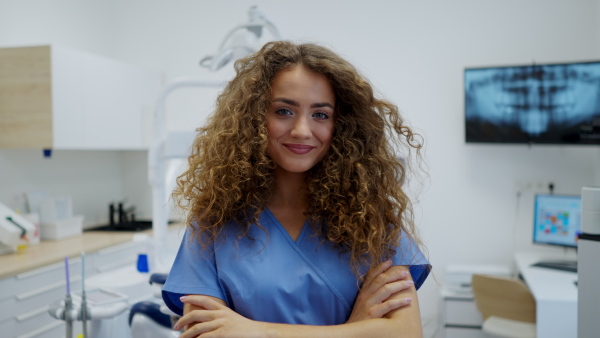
[294,191]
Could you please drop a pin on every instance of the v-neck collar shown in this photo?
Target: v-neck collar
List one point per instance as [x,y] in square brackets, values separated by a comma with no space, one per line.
[281,228]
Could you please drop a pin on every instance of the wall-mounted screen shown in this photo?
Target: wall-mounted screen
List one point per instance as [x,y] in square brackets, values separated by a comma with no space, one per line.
[552,104]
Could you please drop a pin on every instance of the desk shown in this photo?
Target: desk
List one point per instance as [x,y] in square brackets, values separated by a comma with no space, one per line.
[555,295]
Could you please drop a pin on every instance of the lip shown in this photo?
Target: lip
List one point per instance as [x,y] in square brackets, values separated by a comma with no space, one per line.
[298,148]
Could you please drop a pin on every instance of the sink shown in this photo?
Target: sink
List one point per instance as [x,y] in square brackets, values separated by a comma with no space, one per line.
[130,226]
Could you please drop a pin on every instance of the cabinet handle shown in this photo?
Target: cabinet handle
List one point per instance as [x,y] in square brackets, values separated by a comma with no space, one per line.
[51,267]
[32,313]
[116,248]
[46,288]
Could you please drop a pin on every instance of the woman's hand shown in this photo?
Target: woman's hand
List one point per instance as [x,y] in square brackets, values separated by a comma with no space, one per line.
[374,298]
[214,319]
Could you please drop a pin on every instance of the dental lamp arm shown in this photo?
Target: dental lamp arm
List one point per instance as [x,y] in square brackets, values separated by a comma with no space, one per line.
[157,157]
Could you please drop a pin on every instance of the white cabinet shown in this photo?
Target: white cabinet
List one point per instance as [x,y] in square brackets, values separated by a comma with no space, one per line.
[25,297]
[58,98]
[460,317]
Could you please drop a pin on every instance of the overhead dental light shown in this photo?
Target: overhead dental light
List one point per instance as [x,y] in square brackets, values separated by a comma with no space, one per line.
[242,40]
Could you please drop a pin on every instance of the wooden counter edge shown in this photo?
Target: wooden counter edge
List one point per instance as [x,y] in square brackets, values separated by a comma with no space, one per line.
[51,252]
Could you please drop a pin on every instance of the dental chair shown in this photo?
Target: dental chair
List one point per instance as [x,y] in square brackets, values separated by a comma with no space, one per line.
[149,319]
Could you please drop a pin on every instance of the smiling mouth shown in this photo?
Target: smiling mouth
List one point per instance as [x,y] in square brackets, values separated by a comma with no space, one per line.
[299,148]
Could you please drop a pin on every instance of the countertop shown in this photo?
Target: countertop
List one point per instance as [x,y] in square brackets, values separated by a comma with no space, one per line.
[49,252]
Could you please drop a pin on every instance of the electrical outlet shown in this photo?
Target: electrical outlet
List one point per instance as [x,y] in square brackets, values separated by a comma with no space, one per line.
[534,186]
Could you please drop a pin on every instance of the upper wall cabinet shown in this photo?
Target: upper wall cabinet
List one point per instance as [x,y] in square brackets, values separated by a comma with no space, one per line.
[56,98]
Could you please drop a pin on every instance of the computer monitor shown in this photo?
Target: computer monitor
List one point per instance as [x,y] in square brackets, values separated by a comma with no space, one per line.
[557,219]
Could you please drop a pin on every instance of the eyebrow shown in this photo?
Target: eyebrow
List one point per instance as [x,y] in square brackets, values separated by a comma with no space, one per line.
[296,104]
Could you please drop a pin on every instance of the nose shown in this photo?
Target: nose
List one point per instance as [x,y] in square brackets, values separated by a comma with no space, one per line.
[301,128]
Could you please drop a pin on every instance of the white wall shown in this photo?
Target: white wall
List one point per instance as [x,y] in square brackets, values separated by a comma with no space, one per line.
[84,25]
[413,52]
[92,179]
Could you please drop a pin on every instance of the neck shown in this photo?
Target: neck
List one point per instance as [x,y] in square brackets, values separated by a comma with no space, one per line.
[290,191]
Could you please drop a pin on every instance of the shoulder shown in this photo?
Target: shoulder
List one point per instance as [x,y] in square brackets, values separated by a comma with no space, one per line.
[410,255]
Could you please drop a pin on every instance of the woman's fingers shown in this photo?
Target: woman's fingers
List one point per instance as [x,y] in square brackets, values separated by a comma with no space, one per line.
[380,310]
[199,328]
[390,275]
[205,302]
[387,290]
[381,292]
[376,271]
[196,316]
[206,312]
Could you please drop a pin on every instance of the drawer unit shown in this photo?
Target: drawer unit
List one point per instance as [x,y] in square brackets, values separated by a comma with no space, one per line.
[27,291]
[31,301]
[460,317]
[27,281]
[28,321]
[462,311]
[25,297]
[52,330]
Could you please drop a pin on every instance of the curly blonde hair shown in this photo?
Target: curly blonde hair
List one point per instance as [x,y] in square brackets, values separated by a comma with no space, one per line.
[356,195]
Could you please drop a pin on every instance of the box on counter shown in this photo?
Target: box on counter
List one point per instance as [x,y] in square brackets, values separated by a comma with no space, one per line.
[55,208]
[62,229]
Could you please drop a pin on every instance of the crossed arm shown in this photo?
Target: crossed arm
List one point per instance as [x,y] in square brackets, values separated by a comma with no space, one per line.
[386,306]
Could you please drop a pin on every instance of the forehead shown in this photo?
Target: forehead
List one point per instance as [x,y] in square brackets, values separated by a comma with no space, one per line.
[300,81]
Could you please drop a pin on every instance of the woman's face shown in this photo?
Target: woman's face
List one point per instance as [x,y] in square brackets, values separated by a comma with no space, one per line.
[300,119]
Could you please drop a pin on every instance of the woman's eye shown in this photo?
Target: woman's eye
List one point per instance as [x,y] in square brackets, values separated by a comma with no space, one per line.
[321,115]
[283,111]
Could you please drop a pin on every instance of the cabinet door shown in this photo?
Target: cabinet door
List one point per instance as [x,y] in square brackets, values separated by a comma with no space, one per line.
[68,97]
[25,97]
[53,97]
[462,312]
[101,103]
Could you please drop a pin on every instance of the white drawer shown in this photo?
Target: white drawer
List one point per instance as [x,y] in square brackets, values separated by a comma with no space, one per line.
[53,329]
[462,312]
[115,257]
[459,332]
[31,300]
[26,322]
[29,280]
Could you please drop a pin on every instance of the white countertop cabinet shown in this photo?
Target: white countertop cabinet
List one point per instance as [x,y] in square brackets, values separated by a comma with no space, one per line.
[25,297]
[57,98]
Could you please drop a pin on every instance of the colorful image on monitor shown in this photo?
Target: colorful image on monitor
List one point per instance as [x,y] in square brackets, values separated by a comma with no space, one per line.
[557,219]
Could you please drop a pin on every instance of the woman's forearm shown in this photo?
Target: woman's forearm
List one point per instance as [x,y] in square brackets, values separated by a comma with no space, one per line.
[205,314]
[381,327]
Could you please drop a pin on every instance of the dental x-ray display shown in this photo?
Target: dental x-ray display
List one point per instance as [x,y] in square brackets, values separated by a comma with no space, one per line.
[552,103]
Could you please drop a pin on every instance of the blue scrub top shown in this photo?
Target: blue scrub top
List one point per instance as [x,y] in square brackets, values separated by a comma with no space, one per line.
[274,278]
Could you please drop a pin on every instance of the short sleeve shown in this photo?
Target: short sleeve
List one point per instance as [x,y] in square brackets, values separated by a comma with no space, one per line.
[409,254]
[193,272]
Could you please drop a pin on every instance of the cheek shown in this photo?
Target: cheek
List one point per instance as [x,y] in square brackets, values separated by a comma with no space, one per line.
[273,129]
[325,134]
